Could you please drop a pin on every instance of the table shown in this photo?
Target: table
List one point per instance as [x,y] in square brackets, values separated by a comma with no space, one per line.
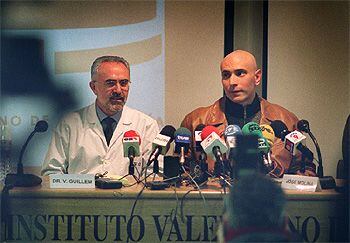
[174,214]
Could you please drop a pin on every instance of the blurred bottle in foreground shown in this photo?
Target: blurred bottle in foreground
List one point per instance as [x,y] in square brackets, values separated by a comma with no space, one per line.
[5,156]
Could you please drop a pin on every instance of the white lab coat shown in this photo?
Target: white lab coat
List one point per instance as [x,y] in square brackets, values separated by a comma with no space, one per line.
[78,144]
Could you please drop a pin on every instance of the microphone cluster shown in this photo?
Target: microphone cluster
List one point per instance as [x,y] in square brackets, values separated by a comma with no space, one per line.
[233,150]
[246,148]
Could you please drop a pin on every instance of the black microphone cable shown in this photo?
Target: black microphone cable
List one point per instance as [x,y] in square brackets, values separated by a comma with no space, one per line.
[145,168]
[139,195]
[137,198]
[137,179]
[134,206]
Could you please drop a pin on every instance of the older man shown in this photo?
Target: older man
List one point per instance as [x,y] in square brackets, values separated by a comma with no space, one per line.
[240,105]
[90,140]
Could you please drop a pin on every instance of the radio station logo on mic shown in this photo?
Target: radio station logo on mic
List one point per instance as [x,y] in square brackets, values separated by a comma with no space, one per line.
[197,135]
[267,129]
[131,139]
[232,130]
[253,127]
[161,139]
[182,139]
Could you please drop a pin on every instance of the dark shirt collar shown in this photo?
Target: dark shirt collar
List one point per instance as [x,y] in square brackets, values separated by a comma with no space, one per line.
[237,110]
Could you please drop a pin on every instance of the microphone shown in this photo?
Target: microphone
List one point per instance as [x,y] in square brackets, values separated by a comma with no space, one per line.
[26,180]
[198,138]
[41,126]
[131,148]
[268,133]
[248,157]
[203,165]
[253,129]
[280,129]
[182,142]
[212,144]
[231,133]
[303,125]
[327,182]
[161,143]
[264,150]
[131,144]
[292,141]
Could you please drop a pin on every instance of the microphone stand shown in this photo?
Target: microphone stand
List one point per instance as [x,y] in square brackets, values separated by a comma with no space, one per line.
[151,159]
[203,165]
[182,155]
[220,172]
[20,179]
[327,182]
[131,168]
[131,165]
[155,166]
[232,158]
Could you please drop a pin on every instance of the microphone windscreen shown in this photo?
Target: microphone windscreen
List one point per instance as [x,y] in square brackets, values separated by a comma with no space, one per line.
[132,133]
[41,126]
[200,127]
[232,130]
[268,133]
[183,131]
[252,128]
[208,130]
[303,125]
[169,131]
[198,138]
[279,128]
[182,139]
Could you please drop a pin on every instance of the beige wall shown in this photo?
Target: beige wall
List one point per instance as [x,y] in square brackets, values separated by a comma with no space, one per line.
[308,62]
[308,68]
[194,48]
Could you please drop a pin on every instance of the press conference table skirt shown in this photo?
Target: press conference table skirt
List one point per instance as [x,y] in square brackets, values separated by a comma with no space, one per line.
[175,214]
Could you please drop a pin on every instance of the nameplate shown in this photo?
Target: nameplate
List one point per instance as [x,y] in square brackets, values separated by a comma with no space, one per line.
[301,183]
[72,181]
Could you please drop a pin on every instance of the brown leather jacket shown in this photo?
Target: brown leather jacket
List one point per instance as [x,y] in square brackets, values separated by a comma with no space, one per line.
[214,115]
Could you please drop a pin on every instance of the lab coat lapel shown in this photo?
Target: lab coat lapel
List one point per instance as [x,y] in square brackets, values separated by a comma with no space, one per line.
[123,125]
[94,124]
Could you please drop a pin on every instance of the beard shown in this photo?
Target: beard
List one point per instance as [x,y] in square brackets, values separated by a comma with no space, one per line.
[115,104]
[112,105]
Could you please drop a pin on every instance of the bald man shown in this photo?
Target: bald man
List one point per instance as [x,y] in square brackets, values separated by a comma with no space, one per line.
[240,104]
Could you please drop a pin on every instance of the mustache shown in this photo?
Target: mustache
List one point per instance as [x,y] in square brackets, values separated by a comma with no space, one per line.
[117,96]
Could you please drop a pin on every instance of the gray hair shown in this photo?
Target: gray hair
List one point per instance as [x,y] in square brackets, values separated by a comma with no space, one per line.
[256,201]
[96,64]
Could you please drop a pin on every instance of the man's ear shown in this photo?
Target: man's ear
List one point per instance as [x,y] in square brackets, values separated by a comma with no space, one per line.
[93,87]
[257,76]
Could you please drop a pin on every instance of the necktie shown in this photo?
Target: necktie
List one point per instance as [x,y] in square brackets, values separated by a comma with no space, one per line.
[108,128]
